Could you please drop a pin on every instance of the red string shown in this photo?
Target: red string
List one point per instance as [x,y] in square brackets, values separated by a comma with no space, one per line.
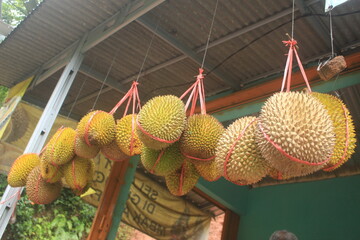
[152,170]
[12,196]
[286,154]
[131,91]
[74,176]
[228,155]
[197,92]
[346,143]
[132,94]
[288,67]
[200,159]
[87,126]
[154,137]
[182,173]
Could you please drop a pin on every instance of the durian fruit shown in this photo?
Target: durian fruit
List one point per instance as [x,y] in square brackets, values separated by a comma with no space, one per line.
[113,152]
[21,168]
[127,135]
[299,125]
[182,180]
[83,150]
[98,127]
[340,117]
[208,170]
[39,191]
[78,172]
[162,117]
[170,159]
[201,135]
[245,162]
[50,172]
[60,148]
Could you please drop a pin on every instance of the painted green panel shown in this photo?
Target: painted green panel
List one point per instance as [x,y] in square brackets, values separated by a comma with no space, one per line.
[319,210]
[230,195]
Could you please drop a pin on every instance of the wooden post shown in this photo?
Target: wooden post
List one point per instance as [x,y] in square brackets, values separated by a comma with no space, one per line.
[113,200]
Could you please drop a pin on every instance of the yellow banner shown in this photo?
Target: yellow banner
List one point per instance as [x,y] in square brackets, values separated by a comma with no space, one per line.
[150,207]
[13,98]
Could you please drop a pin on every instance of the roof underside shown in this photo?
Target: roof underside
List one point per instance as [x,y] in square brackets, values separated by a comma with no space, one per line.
[245,46]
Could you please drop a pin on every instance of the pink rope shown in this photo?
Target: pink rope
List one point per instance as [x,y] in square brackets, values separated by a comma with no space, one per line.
[153,137]
[152,170]
[200,159]
[286,154]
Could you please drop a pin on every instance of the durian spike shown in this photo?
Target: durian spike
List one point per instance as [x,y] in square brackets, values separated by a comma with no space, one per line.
[294,159]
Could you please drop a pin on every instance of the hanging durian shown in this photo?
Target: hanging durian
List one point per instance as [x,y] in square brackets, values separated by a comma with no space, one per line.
[343,127]
[182,180]
[21,168]
[97,128]
[300,126]
[200,137]
[39,191]
[162,162]
[127,136]
[60,148]
[244,160]
[161,121]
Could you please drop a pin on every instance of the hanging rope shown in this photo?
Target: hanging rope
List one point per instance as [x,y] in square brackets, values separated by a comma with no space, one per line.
[293,20]
[147,51]
[107,75]
[331,34]
[208,40]
[288,67]
[80,90]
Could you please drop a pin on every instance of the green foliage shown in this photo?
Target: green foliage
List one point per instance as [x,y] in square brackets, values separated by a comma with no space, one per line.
[14,11]
[67,218]
[3,94]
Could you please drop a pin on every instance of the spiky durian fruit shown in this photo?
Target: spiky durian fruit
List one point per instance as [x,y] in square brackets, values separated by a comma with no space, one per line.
[60,148]
[126,135]
[39,191]
[343,127]
[208,170]
[200,137]
[50,172]
[238,145]
[162,162]
[78,172]
[83,150]
[97,128]
[182,180]
[299,125]
[113,152]
[161,118]
[21,168]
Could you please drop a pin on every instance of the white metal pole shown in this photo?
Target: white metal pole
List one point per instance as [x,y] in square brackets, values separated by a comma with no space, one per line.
[43,128]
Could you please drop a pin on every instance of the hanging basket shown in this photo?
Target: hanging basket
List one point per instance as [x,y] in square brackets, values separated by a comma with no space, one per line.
[331,68]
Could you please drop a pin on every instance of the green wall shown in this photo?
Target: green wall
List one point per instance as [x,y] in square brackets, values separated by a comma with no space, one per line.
[320,210]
